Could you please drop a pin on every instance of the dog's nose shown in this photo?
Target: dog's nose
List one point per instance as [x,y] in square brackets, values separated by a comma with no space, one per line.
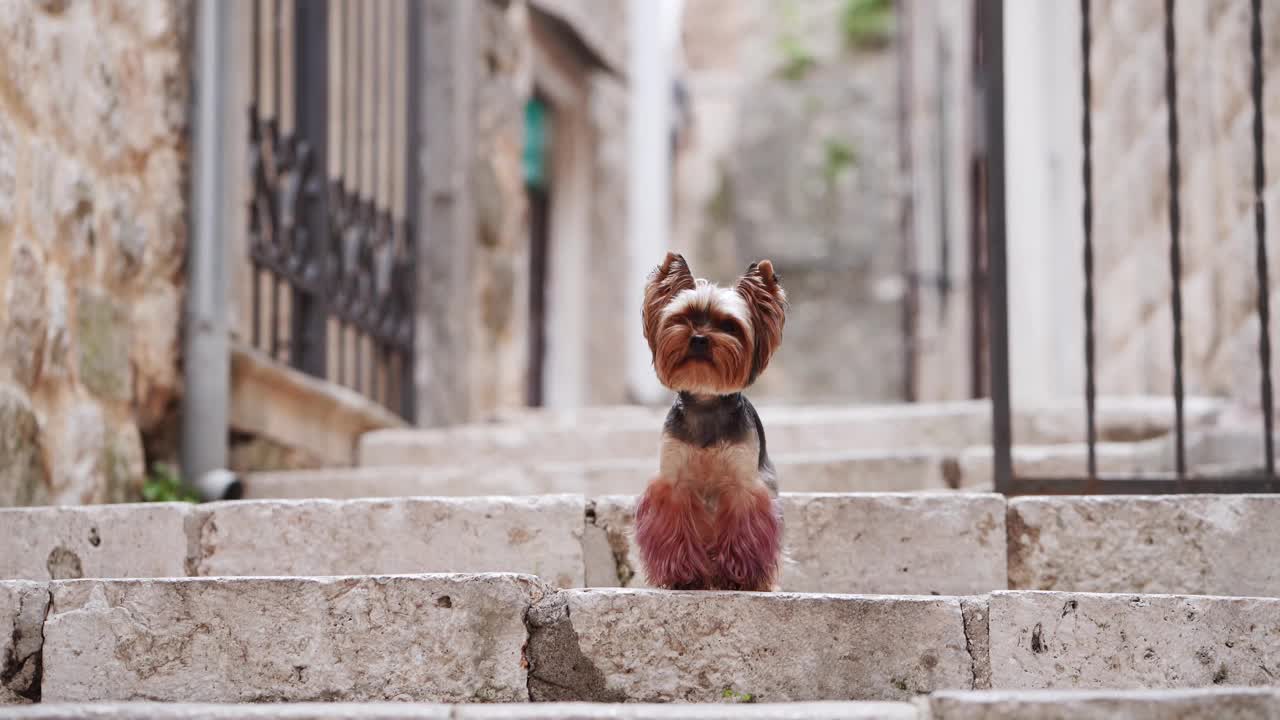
[699,343]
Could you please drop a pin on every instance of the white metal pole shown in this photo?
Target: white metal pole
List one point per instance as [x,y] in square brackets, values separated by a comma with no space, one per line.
[207,358]
[649,178]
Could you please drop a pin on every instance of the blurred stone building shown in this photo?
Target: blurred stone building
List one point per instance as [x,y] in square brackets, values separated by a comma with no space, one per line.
[97,105]
[1131,196]
[793,155]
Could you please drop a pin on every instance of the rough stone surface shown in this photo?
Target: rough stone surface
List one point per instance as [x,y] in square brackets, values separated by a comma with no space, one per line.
[116,541]
[289,639]
[892,431]
[93,188]
[1078,640]
[24,476]
[104,344]
[496,711]
[1217,703]
[24,336]
[539,535]
[22,611]
[233,711]
[1190,544]
[647,646]
[854,471]
[977,633]
[863,543]
[678,711]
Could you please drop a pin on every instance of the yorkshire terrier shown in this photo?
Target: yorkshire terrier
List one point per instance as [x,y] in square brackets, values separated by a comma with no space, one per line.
[710,520]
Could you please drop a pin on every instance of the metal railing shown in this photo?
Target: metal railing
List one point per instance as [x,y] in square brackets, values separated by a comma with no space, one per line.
[991,77]
[331,236]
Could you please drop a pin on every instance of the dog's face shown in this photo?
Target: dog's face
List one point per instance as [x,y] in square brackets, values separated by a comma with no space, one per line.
[711,340]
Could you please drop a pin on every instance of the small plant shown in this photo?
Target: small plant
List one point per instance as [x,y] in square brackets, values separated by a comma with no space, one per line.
[737,697]
[164,484]
[867,23]
[840,156]
[797,61]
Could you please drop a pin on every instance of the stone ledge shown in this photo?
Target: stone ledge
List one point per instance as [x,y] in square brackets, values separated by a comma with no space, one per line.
[1190,544]
[866,710]
[64,543]
[322,419]
[289,639]
[420,711]
[652,646]
[1218,703]
[844,471]
[1055,640]
[896,543]
[538,535]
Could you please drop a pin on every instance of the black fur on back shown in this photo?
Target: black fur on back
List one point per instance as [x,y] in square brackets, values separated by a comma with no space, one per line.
[721,419]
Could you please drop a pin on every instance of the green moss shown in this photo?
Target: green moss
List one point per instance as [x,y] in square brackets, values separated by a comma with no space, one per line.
[797,60]
[164,484]
[737,697]
[839,157]
[866,23]
[103,341]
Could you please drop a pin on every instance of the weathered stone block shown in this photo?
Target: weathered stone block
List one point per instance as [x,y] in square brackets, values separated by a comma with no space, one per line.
[647,646]
[1080,640]
[24,335]
[235,711]
[1194,544]
[1217,703]
[535,535]
[22,611]
[865,543]
[113,541]
[680,711]
[24,477]
[103,332]
[445,638]
[941,544]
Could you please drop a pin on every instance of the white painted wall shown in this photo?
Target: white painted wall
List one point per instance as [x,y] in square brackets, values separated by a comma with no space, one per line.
[654,28]
[1045,198]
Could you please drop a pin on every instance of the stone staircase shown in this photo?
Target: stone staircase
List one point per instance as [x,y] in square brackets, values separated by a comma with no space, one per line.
[936,604]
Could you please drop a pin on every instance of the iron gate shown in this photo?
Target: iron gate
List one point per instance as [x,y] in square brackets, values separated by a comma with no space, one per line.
[991,76]
[332,119]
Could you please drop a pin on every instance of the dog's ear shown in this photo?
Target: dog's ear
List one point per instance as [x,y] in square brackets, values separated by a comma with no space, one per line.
[665,282]
[767,303]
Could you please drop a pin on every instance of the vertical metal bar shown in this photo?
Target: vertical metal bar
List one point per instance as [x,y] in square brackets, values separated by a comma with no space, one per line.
[413,167]
[992,30]
[1260,227]
[207,371]
[906,206]
[1175,230]
[1090,390]
[311,87]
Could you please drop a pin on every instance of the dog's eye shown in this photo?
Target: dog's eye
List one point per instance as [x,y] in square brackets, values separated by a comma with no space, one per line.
[729,327]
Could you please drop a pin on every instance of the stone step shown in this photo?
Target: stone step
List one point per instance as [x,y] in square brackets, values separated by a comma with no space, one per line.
[890,543]
[906,470]
[1198,704]
[950,543]
[510,638]
[1206,704]
[840,471]
[593,434]
[495,711]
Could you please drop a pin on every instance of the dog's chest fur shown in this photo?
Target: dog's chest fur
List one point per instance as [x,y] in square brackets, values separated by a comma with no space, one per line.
[715,446]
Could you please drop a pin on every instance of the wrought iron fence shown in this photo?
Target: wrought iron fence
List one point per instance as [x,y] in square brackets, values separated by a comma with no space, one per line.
[331,236]
[991,78]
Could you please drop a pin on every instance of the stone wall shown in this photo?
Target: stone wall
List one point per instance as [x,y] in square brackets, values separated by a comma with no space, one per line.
[793,156]
[93,114]
[1220,325]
